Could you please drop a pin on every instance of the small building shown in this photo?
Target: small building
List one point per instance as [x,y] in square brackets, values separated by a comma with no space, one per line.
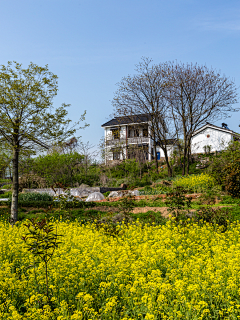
[129,137]
[212,138]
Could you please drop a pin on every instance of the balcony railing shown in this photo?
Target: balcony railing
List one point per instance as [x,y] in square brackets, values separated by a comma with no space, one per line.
[134,140]
[138,140]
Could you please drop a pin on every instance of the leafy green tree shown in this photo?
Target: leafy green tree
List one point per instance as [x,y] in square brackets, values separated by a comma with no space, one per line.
[27,118]
[57,167]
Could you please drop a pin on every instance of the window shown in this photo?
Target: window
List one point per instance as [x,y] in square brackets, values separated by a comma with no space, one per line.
[145,132]
[136,133]
[116,134]
[116,155]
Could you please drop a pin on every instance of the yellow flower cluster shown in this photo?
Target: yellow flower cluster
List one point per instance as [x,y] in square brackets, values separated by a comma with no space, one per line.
[198,183]
[146,272]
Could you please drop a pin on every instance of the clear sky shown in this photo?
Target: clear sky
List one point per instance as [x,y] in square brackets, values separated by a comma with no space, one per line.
[92,44]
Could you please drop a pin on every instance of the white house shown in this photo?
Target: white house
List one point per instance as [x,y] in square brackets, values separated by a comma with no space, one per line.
[216,137]
[130,137]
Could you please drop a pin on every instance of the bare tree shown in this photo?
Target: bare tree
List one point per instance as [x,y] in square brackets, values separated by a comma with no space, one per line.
[144,93]
[89,155]
[196,94]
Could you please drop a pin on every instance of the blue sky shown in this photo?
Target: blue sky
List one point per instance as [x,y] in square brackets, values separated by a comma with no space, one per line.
[92,44]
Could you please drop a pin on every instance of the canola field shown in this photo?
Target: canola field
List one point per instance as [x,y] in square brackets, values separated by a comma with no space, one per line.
[146,272]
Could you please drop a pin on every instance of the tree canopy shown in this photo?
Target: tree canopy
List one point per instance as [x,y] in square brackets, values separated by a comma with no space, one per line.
[28,120]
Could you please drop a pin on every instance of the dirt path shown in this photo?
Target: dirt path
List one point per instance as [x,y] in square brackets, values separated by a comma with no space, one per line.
[164,210]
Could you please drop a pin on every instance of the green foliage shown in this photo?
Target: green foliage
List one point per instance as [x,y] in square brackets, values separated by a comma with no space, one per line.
[177,169]
[55,167]
[55,204]
[232,178]
[158,189]
[28,121]
[209,197]
[196,183]
[150,217]
[7,194]
[130,172]
[220,162]
[215,216]
[230,200]
[179,205]
[65,198]
[35,196]
[3,181]
[126,205]
[7,186]
[41,240]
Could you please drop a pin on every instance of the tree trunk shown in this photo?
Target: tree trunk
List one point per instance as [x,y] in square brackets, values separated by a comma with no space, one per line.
[14,206]
[184,161]
[188,161]
[188,156]
[168,164]
[155,151]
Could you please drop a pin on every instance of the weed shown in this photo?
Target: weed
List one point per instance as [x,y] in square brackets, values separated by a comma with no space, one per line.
[41,241]
[179,205]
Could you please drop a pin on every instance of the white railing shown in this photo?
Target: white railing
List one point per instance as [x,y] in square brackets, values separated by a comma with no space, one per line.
[135,140]
[138,140]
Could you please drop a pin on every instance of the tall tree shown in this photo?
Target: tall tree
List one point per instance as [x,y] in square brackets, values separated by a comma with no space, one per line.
[27,118]
[196,94]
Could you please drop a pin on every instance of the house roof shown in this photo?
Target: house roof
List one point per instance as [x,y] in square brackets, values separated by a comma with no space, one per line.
[137,118]
[209,125]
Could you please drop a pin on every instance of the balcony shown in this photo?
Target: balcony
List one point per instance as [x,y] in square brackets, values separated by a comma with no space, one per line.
[116,142]
[138,140]
[122,142]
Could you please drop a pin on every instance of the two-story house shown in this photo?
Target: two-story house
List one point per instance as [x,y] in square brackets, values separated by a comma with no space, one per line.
[129,137]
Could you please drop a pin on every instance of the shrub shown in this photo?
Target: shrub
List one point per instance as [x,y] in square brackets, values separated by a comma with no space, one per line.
[196,183]
[35,196]
[232,178]
[220,162]
[7,194]
[229,200]
[215,216]
[179,205]
[106,194]
[159,189]
[7,186]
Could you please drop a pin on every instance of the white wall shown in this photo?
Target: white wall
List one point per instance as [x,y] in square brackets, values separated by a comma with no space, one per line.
[218,140]
[169,151]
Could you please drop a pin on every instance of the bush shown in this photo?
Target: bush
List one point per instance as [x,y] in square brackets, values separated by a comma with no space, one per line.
[5,181]
[196,183]
[159,189]
[7,194]
[150,217]
[7,186]
[106,194]
[229,200]
[35,196]
[215,216]
[232,178]
[220,162]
